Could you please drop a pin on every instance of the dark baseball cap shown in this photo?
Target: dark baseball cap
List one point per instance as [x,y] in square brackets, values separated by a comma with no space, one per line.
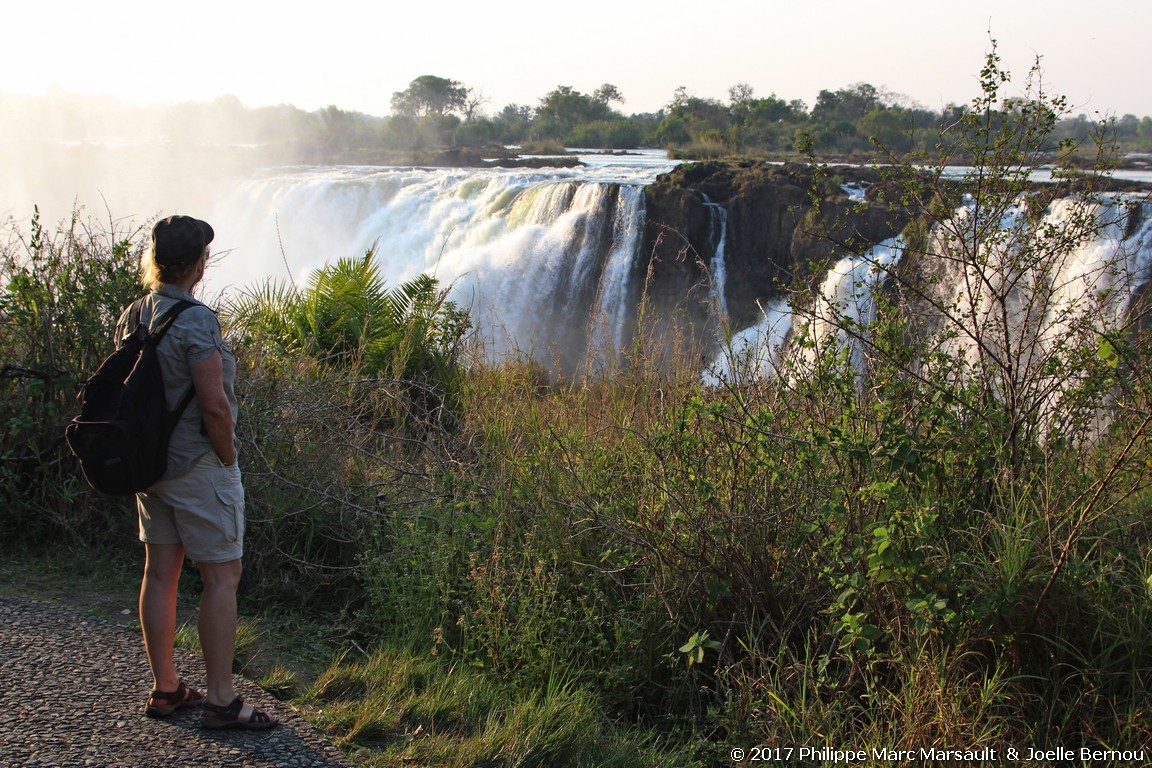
[179,240]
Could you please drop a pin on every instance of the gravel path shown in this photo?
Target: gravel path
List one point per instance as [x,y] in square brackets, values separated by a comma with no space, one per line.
[72,693]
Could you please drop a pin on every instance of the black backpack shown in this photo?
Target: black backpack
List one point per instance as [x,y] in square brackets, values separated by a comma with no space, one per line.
[121,435]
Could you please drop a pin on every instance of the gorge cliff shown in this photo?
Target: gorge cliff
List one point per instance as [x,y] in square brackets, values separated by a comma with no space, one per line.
[781,226]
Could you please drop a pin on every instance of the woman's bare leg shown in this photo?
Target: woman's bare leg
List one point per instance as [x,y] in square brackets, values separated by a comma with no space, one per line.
[158,591]
[217,625]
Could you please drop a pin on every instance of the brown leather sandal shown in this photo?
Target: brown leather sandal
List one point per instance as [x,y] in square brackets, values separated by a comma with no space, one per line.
[165,703]
[214,717]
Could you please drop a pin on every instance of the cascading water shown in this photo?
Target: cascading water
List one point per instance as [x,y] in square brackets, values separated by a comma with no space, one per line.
[845,305]
[856,191]
[1034,295]
[615,298]
[1100,277]
[717,269]
[544,261]
[841,310]
[1023,287]
[991,299]
[754,352]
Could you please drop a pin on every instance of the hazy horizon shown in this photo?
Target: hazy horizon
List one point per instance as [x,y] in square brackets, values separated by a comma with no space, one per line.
[355,57]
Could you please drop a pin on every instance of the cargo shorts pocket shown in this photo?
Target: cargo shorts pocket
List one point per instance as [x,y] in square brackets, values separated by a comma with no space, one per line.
[231,500]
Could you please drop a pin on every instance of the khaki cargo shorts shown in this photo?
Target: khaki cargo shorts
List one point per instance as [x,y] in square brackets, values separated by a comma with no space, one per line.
[203,510]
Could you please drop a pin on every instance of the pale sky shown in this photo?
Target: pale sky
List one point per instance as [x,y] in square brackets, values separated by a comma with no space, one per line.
[356,54]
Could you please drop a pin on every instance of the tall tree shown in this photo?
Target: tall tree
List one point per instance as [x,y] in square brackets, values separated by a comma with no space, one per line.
[741,93]
[430,95]
[473,100]
[607,93]
[565,108]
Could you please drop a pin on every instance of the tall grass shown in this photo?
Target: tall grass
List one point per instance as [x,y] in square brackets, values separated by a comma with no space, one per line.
[904,547]
[402,708]
[864,569]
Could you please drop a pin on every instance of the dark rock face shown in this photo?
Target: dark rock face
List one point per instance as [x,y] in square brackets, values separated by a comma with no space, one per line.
[784,224]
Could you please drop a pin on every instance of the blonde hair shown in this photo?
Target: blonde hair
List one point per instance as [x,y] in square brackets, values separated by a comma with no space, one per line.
[153,275]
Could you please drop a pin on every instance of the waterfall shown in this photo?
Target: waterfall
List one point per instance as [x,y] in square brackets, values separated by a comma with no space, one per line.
[982,297]
[1099,278]
[717,269]
[544,261]
[1026,290]
[754,352]
[844,305]
[615,296]
[856,191]
[840,313]
[547,261]
[1039,295]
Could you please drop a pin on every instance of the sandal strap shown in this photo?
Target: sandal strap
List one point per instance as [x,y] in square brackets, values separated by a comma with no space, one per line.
[232,712]
[259,716]
[182,694]
[166,703]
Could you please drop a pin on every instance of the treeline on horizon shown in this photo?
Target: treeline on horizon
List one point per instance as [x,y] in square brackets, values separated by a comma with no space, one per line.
[436,113]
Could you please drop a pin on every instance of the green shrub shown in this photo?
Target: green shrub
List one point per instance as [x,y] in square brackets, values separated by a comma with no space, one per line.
[346,319]
[61,290]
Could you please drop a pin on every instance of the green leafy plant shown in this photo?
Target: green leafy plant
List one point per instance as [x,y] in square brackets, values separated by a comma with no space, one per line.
[347,318]
[697,644]
[61,290]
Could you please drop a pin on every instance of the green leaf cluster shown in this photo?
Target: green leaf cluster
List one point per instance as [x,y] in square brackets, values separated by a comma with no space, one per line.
[346,317]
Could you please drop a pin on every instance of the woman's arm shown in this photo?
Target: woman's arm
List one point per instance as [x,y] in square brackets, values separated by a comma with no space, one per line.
[208,378]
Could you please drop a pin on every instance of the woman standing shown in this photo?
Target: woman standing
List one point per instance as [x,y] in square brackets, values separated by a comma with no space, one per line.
[197,508]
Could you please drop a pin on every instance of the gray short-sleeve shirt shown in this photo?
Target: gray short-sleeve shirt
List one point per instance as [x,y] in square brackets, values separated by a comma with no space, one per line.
[193,337]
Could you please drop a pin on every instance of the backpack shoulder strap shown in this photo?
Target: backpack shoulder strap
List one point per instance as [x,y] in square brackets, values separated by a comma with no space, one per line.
[156,335]
[134,313]
[131,323]
[168,318]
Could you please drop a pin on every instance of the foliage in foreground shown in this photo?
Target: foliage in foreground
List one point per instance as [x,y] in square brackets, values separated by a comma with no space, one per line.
[402,707]
[61,290]
[927,528]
